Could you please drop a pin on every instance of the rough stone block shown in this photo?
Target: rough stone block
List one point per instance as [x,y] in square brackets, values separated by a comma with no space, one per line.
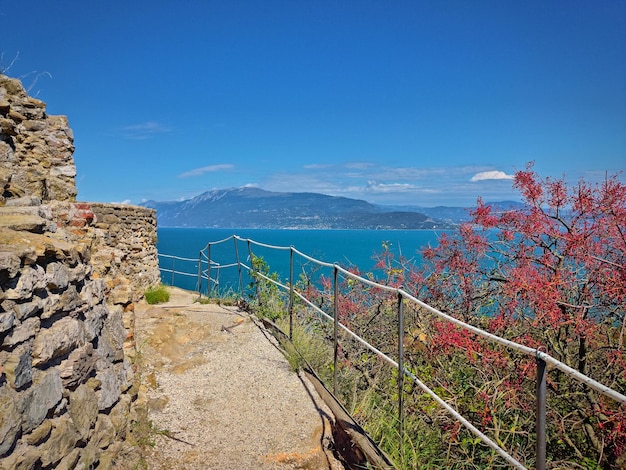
[28,309]
[10,419]
[69,461]
[40,434]
[110,389]
[29,279]
[32,126]
[22,218]
[61,443]
[18,367]
[120,415]
[125,373]
[22,332]
[103,433]
[57,276]
[23,201]
[10,263]
[120,455]
[88,456]
[63,336]
[23,458]
[121,294]
[70,300]
[66,170]
[111,342]
[94,321]
[93,292]
[7,320]
[43,395]
[79,273]
[83,409]
[78,367]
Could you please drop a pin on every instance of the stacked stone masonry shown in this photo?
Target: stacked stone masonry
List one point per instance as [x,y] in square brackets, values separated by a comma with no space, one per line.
[35,149]
[70,273]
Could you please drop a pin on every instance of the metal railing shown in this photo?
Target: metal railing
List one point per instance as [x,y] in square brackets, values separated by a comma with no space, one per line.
[205,266]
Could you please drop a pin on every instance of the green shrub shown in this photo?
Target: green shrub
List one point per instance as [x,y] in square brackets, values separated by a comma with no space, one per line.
[157,295]
[306,347]
[268,300]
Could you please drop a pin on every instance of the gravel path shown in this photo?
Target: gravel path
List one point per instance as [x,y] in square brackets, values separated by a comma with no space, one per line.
[222,395]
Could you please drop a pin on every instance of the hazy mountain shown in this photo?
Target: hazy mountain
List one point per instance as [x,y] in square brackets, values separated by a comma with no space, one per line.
[455,214]
[256,208]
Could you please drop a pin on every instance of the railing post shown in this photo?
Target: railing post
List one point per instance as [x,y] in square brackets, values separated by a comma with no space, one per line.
[199,284]
[335,326]
[541,414]
[291,293]
[208,270]
[238,266]
[401,372]
[173,269]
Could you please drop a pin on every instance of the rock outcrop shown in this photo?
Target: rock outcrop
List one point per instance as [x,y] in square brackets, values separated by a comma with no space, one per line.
[70,273]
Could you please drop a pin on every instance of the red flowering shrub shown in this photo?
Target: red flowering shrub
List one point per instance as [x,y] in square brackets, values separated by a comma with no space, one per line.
[550,275]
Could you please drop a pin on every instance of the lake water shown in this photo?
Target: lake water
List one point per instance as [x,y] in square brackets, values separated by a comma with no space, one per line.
[344,247]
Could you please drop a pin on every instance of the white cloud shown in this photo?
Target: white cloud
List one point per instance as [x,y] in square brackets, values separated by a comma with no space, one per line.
[144,130]
[317,166]
[426,186]
[359,165]
[398,173]
[491,175]
[206,169]
[125,202]
[374,187]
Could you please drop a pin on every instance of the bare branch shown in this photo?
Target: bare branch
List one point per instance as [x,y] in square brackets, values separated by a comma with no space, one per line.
[4,69]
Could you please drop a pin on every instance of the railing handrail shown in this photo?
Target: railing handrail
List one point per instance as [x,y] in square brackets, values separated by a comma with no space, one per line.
[534,352]
[541,357]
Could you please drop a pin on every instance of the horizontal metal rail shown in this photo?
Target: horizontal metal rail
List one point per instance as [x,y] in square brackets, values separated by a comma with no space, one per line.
[177,257]
[455,414]
[202,274]
[526,350]
[541,357]
[485,334]
[165,270]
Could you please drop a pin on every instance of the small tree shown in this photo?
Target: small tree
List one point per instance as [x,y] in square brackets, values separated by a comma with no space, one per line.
[551,274]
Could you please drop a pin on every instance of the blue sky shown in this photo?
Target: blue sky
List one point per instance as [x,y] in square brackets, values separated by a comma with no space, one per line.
[395,102]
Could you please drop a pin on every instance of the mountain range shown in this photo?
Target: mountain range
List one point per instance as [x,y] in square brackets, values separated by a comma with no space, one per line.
[251,207]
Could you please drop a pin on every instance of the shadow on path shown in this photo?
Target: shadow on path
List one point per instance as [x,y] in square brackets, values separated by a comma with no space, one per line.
[220,395]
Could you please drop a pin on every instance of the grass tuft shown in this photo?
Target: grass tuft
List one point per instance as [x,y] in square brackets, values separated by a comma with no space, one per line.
[157,295]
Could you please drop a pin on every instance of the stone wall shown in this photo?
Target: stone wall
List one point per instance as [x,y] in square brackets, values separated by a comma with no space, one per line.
[122,242]
[63,400]
[70,273]
[125,251]
[35,149]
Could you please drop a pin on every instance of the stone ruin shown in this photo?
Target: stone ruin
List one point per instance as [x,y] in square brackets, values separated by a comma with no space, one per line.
[70,273]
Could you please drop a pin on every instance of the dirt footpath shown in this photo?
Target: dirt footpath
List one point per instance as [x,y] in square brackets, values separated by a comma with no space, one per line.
[220,394]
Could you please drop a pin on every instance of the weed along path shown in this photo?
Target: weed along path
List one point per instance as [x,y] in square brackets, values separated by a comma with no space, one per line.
[216,393]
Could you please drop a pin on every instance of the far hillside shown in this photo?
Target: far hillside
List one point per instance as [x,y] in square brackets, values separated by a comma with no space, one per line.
[249,207]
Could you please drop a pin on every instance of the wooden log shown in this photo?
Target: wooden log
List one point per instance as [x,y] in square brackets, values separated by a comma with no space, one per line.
[363,449]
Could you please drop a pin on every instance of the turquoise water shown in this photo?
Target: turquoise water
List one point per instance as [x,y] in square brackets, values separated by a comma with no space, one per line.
[344,247]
